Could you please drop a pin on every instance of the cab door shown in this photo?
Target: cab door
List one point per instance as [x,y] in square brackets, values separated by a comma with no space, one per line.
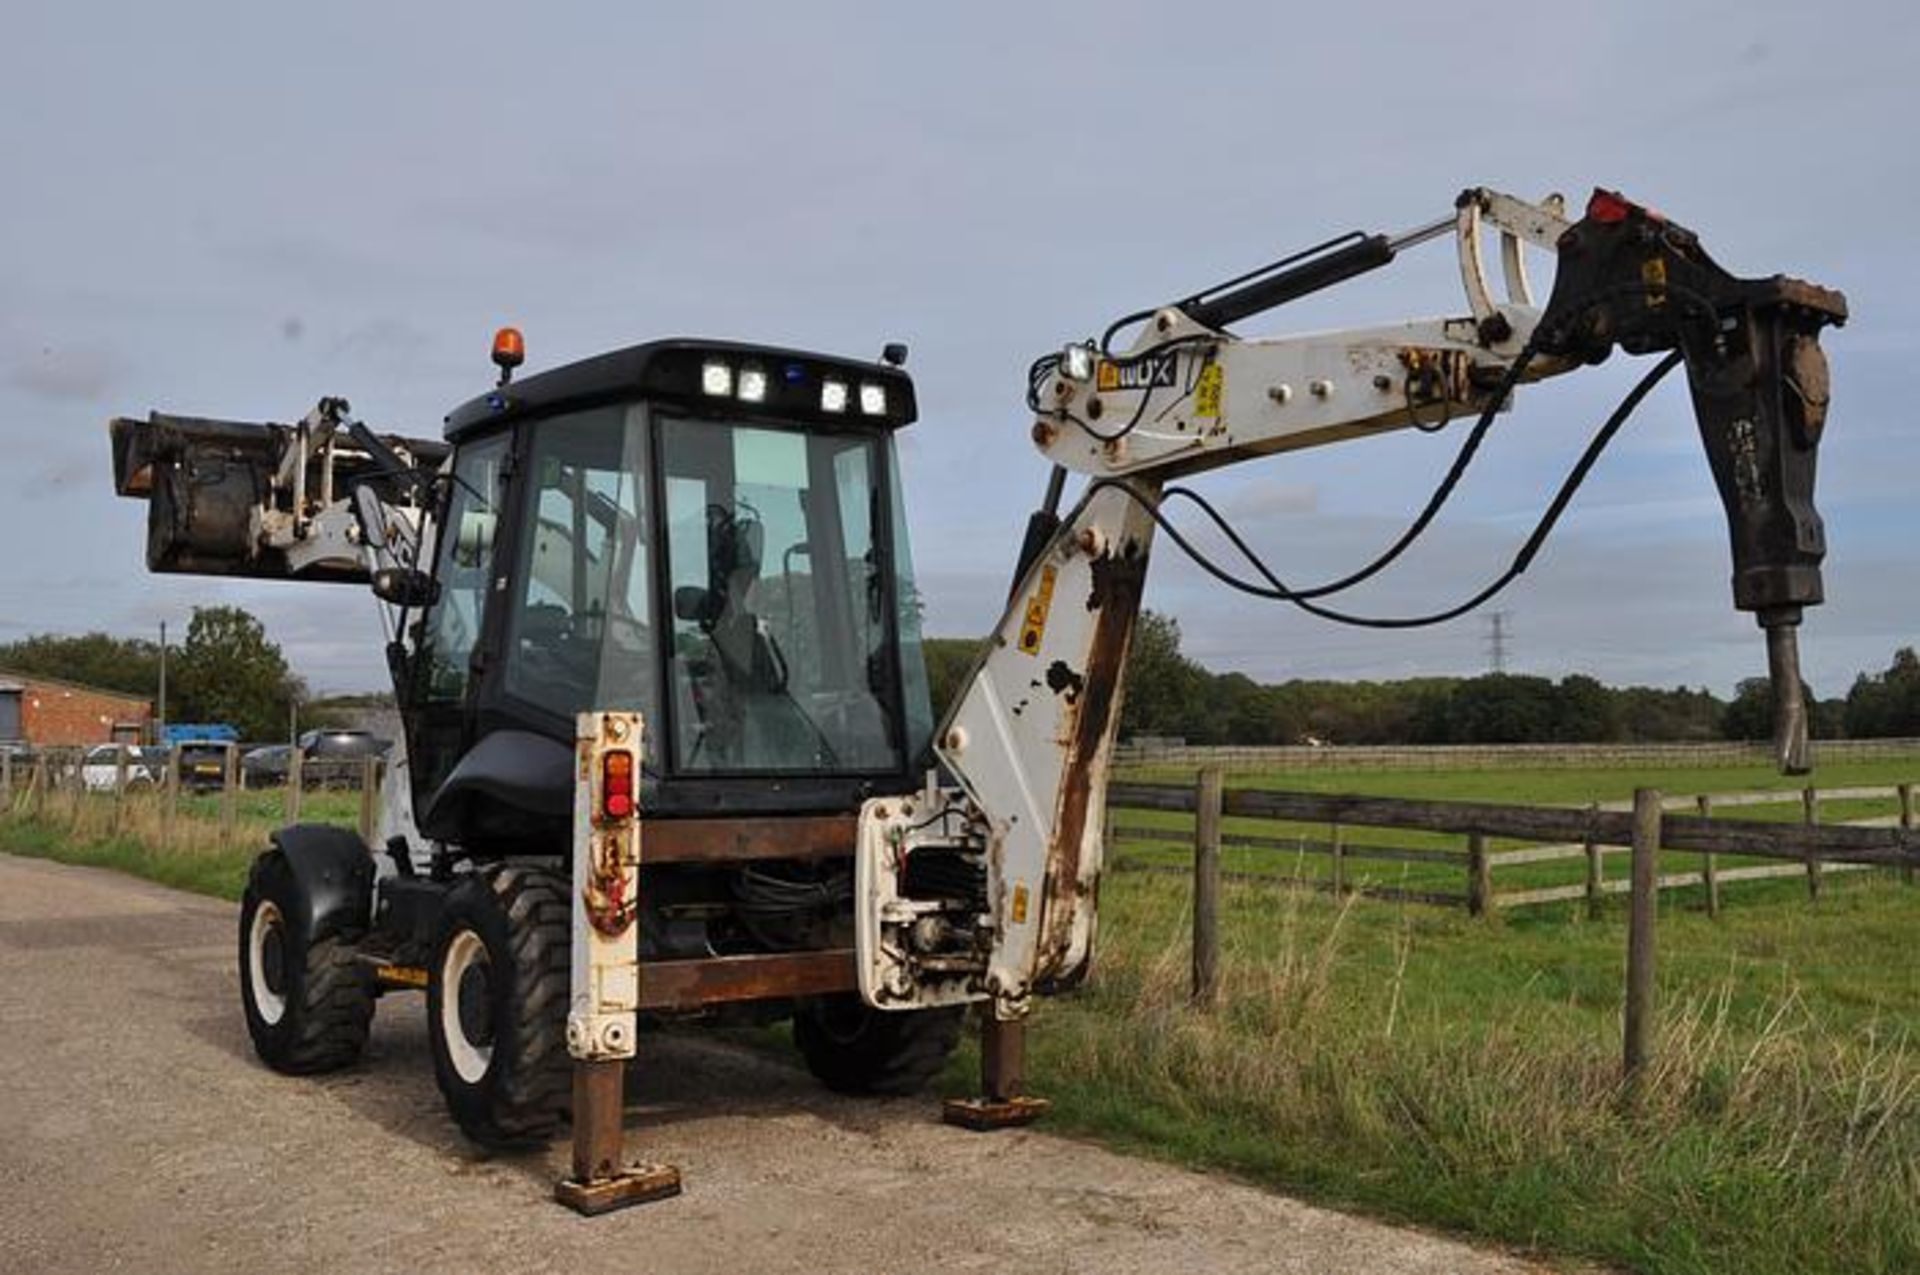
[441,669]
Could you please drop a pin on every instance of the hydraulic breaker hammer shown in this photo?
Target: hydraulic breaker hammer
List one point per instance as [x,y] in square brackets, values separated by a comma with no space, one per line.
[1629,277]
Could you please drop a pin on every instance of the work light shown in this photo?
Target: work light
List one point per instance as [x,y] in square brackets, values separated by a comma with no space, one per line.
[753,384]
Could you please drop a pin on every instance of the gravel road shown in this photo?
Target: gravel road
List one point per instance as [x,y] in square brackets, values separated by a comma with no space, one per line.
[138,1133]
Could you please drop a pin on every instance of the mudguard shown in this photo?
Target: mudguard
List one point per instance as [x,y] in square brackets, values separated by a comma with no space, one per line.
[329,873]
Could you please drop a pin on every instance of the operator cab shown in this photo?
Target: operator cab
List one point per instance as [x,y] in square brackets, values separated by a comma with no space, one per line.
[709,533]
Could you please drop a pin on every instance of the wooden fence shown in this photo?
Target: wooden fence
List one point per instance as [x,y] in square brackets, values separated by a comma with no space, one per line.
[1644,827]
[1573,834]
[1496,756]
[28,781]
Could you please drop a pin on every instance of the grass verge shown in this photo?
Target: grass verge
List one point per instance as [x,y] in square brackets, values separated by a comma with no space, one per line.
[1424,1067]
[133,835]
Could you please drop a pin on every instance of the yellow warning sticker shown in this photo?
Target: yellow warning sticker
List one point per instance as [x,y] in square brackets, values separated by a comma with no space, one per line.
[1206,392]
[1653,273]
[1038,605]
[1020,904]
[402,975]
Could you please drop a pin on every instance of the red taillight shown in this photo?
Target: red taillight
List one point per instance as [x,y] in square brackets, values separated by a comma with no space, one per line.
[616,784]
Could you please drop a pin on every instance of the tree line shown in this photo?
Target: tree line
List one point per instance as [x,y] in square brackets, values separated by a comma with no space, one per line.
[1169,694]
[227,670]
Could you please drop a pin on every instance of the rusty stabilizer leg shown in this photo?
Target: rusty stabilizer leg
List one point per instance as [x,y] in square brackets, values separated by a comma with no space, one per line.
[1003,1076]
[600,1182]
[602,1018]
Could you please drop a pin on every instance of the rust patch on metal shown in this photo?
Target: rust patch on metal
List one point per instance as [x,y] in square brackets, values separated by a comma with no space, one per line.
[710,981]
[736,840]
[1088,720]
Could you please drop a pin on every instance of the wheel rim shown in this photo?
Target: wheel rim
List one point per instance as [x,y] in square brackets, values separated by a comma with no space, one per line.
[267,962]
[466,1004]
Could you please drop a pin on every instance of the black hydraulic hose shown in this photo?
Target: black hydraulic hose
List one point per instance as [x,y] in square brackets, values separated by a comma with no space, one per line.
[1276,591]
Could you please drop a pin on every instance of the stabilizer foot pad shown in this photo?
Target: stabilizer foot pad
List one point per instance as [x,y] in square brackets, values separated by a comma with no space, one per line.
[641,1184]
[985,1114]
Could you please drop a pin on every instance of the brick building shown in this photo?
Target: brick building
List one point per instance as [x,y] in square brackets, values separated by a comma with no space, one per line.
[46,711]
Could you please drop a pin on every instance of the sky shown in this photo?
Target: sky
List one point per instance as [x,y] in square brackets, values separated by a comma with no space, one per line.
[234,209]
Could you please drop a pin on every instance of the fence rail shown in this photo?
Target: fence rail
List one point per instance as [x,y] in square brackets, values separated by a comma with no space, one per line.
[29,779]
[1644,827]
[1590,834]
[1495,756]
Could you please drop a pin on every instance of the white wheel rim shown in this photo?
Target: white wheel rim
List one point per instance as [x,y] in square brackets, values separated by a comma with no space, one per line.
[271,1005]
[470,1061]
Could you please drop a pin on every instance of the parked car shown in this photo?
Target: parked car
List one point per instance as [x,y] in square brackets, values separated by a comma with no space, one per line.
[203,765]
[265,766]
[100,768]
[330,744]
[333,758]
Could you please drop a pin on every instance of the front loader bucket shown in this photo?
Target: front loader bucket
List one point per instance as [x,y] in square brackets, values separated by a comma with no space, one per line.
[214,487]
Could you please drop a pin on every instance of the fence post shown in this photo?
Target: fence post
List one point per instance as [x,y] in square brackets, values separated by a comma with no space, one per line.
[1709,865]
[1810,808]
[37,785]
[6,781]
[1642,902]
[170,800]
[1906,823]
[76,782]
[121,761]
[1479,875]
[229,797]
[369,775]
[295,782]
[1337,844]
[1206,887]
[1596,871]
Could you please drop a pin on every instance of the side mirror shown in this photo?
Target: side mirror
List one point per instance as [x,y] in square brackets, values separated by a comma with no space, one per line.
[405,587]
[474,537]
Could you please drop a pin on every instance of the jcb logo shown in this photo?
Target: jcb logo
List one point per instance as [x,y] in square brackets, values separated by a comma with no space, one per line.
[1153,371]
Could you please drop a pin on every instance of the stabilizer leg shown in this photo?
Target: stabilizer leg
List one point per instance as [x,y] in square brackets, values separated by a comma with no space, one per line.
[1003,1103]
[601,1183]
[602,1021]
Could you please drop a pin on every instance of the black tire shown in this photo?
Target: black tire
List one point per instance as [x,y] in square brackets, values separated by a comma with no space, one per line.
[308,1001]
[499,1031]
[853,1048]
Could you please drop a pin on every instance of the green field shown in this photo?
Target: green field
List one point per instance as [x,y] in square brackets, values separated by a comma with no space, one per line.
[1420,1065]
[1569,787]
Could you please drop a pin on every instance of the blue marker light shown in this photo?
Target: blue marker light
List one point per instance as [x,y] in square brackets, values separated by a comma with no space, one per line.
[793,374]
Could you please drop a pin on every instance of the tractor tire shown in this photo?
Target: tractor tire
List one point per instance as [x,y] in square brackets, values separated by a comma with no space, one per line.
[308,1002]
[854,1049]
[497,992]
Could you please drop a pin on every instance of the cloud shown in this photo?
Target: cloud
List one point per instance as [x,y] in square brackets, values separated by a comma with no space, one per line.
[80,374]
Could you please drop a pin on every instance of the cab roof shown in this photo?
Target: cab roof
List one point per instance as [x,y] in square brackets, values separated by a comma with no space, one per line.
[672,369]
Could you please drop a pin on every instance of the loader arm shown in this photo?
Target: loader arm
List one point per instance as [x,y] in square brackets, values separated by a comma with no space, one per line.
[1030,736]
